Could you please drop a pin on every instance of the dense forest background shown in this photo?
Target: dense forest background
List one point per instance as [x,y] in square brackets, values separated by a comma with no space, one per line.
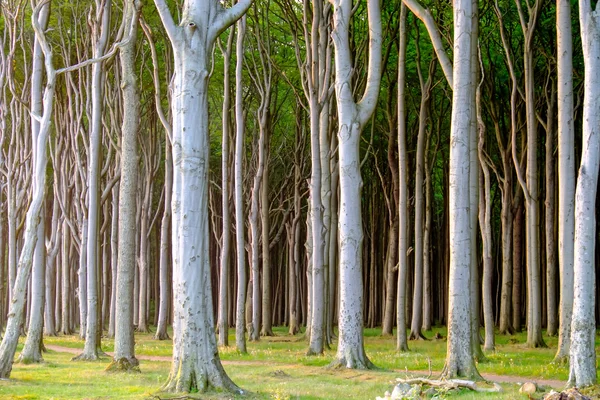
[265,80]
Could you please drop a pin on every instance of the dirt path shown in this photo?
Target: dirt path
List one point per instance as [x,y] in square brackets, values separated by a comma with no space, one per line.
[510,379]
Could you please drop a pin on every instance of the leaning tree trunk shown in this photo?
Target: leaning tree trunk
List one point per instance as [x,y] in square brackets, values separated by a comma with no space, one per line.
[196,364]
[352,118]
[32,351]
[582,371]
[17,303]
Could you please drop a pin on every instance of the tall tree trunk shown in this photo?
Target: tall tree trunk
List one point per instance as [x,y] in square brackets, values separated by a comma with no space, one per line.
[92,344]
[124,355]
[566,175]
[26,259]
[551,295]
[196,364]
[459,356]
[402,189]
[240,241]
[352,118]
[582,371]
[223,325]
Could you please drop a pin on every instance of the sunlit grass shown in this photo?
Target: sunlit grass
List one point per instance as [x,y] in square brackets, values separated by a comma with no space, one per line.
[274,368]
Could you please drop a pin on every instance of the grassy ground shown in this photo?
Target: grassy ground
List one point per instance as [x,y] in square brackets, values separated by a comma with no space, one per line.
[274,368]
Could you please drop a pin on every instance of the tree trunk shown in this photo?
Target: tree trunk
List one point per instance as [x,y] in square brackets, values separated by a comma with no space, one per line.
[582,371]
[459,358]
[223,325]
[26,259]
[566,175]
[92,344]
[240,241]
[402,189]
[124,355]
[352,117]
[196,364]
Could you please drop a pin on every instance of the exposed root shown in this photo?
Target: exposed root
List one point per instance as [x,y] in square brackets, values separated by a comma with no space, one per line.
[124,365]
[161,336]
[87,357]
[417,336]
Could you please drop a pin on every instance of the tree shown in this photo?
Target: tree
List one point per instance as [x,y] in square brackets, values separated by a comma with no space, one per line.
[32,351]
[240,242]
[459,356]
[402,188]
[101,26]
[566,174]
[582,371]
[124,355]
[196,364]
[352,118]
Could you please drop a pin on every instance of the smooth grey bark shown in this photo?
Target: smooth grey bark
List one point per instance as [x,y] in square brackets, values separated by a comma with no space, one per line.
[196,364]
[485,224]
[32,350]
[401,343]
[17,304]
[352,117]
[417,300]
[52,249]
[549,209]
[240,242]
[66,280]
[114,260]
[566,175]
[222,323]
[124,353]
[529,184]
[92,342]
[474,191]
[459,356]
[582,371]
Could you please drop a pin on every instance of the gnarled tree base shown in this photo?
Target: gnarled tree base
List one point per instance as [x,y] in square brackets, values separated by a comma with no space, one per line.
[161,335]
[200,376]
[451,372]
[352,360]
[124,365]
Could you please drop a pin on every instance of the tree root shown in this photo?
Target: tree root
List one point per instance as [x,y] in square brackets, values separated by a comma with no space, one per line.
[124,365]
[451,384]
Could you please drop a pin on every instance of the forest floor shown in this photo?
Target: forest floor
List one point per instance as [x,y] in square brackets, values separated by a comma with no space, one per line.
[277,367]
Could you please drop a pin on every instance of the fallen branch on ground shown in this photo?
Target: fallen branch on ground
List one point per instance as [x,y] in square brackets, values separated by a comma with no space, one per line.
[451,384]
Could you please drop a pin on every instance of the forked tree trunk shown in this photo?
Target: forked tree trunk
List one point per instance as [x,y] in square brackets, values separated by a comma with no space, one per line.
[196,364]
[17,303]
[32,351]
[352,118]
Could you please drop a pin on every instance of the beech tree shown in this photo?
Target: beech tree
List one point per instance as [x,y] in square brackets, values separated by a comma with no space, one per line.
[459,356]
[196,364]
[582,370]
[352,117]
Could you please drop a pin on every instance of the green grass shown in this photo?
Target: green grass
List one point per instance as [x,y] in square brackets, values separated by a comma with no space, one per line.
[274,368]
